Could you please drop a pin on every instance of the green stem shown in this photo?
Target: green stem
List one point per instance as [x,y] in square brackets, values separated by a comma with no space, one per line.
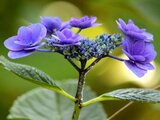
[64,93]
[97,99]
[76,112]
[94,100]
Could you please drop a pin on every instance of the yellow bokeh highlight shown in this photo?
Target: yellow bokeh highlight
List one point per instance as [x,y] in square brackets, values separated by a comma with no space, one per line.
[62,9]
[93,32]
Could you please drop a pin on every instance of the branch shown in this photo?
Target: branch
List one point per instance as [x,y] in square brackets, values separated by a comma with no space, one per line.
[92,64]
[116,58]
[74,65]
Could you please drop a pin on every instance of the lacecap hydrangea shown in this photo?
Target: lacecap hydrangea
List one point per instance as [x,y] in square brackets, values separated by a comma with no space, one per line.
[53,35]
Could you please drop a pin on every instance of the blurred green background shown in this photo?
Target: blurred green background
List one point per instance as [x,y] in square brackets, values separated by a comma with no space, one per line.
[108,74]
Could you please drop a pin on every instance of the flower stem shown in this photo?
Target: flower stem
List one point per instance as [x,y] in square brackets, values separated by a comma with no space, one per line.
[74,65]
[79,31]
[79,93]
[92,64]
[114,57]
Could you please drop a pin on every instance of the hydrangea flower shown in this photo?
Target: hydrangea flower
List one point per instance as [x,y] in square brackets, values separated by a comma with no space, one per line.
[54,24]
[26,41]
[66,37]
[131,30]
[140,55]
[84,22]
[51,23]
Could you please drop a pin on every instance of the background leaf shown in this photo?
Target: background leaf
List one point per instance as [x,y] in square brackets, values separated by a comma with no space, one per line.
[43,104]
[133,94]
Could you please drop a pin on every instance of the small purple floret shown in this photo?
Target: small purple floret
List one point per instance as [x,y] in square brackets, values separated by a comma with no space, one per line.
[26,41]
[84,22]
[66,37]
[51,23]
[133,31]
[140,55]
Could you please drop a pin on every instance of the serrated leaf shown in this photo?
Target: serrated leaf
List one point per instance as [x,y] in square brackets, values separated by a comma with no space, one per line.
[34,75]
[133,94]
[43,104]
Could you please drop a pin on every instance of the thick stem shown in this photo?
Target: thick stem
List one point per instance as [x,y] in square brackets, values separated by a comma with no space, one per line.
[79,93]
[76,112]
[80,87]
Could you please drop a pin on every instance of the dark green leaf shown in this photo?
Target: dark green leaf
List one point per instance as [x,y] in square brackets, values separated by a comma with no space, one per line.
[43,104]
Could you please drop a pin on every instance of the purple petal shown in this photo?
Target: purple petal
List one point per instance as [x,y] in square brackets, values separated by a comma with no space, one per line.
[132,27]
[67,32]
[93,19]
[85,24]
[149,36]
[19,54]
[128,55]
[84,18]
[138,58]
[24,36]
[38,32]
[136,70]
[128,44]
[11,45]
[51,23]
[138,47]
[149,53]
[146,66]
[74,22]
[121,25]
[61,36]
[34,47]
[135,35]
[96,24]
[65,25]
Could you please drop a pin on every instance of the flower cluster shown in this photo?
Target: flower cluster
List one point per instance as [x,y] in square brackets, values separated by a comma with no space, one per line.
[53,35]
[99,47]
[138,47]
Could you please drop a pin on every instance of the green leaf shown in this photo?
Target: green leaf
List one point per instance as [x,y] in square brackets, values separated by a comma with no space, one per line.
[133,94]
[34,75]
[43,104]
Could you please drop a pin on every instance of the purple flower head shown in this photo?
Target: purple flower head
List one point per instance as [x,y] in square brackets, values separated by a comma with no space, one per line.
[131,30]
[53,24]
[66,37]
[84,22]
[26,41]
[140,55]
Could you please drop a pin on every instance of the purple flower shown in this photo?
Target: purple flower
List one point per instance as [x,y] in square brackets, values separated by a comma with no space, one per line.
[131,30]
[84,22]
[66,37]
[51,23]
[54,24]
[140,55]
[26,41]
